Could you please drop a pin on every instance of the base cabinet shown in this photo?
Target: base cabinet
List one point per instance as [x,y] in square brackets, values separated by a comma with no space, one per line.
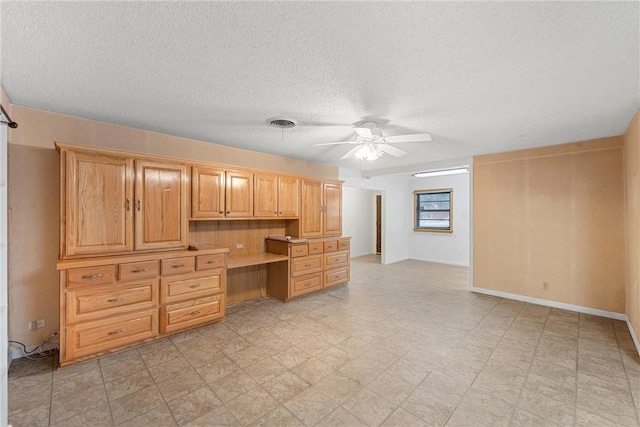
[313,266]
[107,304]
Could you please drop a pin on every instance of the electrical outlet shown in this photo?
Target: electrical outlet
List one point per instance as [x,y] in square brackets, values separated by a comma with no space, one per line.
[32,325]
[239,245]
[40,323]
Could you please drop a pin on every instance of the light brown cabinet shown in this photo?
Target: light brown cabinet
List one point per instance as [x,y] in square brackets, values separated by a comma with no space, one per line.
[321,209]
[113,204]
[207,193]
[238,194]
[275,196]
[110,303]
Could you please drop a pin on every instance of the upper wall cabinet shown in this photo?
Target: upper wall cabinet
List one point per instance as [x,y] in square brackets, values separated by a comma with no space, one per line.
[238,194]
[98,207]
[161,205]
[207,193]
[108,205]
[275,196]
[321,209]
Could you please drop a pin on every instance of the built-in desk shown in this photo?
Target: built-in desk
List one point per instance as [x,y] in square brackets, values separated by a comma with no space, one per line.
[238,261]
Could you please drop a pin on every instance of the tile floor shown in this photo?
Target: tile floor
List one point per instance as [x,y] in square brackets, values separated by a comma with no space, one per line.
[402,345]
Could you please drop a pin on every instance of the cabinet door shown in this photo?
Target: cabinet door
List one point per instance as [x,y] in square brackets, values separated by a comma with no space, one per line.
[239,194]
[161,205]
[311,215]
[99,205]
[265,193]
[332,209]
[207,193]
[288,197]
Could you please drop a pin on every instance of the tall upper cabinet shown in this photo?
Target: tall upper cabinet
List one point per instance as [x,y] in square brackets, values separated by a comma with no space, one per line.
[275,196]
[321,209]
[111,203]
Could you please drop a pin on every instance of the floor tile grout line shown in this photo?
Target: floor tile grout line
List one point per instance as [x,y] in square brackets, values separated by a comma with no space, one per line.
[633,398]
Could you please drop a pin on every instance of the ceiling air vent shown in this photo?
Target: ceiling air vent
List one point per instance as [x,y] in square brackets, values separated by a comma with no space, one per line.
[282,123]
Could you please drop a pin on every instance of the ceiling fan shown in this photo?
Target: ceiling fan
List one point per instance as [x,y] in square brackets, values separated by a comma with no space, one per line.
[372,144]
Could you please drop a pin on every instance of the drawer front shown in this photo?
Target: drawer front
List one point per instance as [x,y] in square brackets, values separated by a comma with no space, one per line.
[107,334]
[307,265]
[331,246]
[304,284]
[336,276]
[344,245]
[193,313]
[182,288]
[94,303]
[138,270]
[91,276]
[299,250]
[335,259]
[178,265]
[316,248]
[209,262]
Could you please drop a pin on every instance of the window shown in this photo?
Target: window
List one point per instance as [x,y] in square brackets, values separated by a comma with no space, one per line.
[433,210]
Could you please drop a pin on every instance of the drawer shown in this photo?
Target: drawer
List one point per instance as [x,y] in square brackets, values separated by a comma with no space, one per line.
[306,265]
[188,286]
[344,245]
[316,248]
[336,276]
[299,250]
[107,334]
[331,246]
[178,265]
[304,284]
[335,259]
[138,270]
[93,303]
[191,313]
[208,262]
[90,276]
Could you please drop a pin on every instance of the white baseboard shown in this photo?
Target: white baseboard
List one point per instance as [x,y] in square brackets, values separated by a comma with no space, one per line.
[440,261]
[633,335]
[550,303]
[362,254]
[19,353]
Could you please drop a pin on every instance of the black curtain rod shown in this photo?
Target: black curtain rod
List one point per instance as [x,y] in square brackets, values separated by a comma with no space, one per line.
[8,121]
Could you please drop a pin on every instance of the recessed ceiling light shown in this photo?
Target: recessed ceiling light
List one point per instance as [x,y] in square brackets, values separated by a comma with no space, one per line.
[281,123]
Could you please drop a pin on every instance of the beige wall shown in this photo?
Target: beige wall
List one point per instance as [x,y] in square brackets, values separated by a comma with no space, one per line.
[33,198]
[632,186]
[552,215]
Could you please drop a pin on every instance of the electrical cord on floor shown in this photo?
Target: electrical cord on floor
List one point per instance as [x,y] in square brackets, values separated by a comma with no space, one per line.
[45,349]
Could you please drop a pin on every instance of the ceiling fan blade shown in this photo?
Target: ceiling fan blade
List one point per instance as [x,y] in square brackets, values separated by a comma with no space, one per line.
[351,152]
[392,150]
[364,132]
[417,137]
[335,143]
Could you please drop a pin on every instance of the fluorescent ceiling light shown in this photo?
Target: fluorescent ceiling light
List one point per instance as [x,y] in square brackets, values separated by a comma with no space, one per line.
[441,172]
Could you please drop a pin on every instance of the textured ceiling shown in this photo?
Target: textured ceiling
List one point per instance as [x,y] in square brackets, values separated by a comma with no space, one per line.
[480,77]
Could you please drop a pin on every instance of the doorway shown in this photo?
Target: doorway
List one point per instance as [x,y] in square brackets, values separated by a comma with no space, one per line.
[378,224]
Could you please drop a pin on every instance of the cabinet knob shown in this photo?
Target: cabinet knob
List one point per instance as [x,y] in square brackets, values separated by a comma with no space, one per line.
[139,201]
[275,213]
[228,212]
[128,204]
[221,212]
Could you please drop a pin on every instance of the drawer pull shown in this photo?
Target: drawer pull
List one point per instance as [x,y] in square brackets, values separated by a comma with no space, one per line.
[116,299]
[307,265]
[92,276]
[211,261]
[306,285]
[140,270]
[118,332]
[194,313]
[336,259]
[177,266]
[298,250]
[195,285]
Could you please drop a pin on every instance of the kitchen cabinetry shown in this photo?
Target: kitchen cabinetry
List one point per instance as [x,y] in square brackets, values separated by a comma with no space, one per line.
[321,209]
[238,194]
[207,193]
[313,265]
[109,206]
[110,303]
[275,196]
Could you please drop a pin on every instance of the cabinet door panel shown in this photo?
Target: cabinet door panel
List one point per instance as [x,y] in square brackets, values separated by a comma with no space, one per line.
[265,192]
[207,193]
[161,205]
[288,197]
[99,216]
[239,194]
[311,208]
[332,209]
